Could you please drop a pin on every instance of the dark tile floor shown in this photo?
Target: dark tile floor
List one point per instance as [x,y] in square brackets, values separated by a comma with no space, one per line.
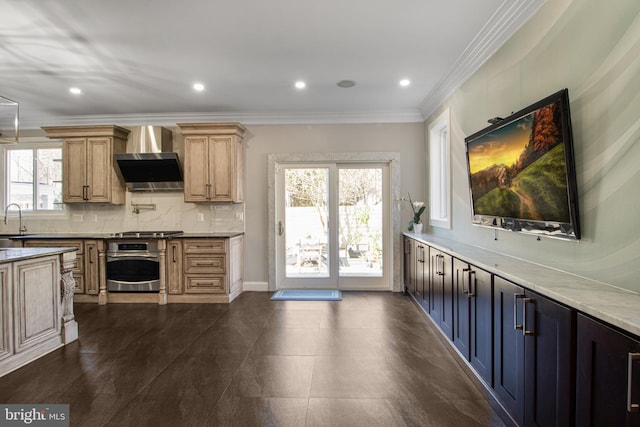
[372,359]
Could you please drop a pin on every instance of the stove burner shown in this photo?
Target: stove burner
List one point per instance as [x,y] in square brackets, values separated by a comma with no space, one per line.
[146,234]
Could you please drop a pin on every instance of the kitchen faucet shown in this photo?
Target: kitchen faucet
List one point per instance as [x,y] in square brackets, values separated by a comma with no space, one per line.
[23,228]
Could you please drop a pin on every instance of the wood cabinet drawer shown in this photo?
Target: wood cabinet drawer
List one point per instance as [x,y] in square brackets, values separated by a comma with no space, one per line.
[78,265]
[49,243]
[204,246]
[79,279]
[204,264]
[204,285]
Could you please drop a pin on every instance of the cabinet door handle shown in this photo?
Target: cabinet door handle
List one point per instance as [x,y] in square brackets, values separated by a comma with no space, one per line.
[85,192]
[173,253]
[90,254]
[209,191]
[465,272]
[633,403]
[526,331]
[516,297]
[472,281]
[441,272]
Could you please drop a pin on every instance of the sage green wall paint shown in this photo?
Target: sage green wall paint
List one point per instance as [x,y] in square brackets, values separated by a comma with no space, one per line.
[593,49]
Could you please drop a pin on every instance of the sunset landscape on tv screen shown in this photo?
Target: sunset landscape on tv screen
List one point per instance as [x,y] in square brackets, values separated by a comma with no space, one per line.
[519,170]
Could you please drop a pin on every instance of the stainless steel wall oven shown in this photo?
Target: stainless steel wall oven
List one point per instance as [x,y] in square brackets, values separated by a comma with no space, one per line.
[133,266]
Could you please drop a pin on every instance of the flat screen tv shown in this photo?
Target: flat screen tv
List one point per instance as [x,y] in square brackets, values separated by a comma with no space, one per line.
[522,171]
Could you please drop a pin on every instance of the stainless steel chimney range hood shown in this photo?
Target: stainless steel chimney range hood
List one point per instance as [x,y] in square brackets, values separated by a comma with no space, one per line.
[152,166]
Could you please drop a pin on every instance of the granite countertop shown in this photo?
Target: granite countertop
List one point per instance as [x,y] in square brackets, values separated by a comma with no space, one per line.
[110,235]
[617,306]
[62,236]
[220,234]
[19,254]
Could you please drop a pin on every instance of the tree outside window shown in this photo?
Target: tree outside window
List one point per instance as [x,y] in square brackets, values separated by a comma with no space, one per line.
[34,178]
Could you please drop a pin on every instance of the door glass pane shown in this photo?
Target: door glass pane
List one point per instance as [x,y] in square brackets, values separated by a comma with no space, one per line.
[306,215]
[360,222]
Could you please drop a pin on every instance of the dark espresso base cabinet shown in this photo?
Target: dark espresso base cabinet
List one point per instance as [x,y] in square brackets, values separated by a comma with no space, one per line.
[440,291]
[546,364]
[533,356]
[461,308]
[608,376]
[472,316]
[409,266]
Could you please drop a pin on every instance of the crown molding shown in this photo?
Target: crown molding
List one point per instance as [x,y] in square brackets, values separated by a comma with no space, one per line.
[171,119]
[508,19]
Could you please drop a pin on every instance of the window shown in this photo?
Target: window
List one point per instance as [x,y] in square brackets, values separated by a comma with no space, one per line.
[33,177]
[439,172]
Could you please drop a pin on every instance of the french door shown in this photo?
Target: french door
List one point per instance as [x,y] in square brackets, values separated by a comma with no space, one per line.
[333,226]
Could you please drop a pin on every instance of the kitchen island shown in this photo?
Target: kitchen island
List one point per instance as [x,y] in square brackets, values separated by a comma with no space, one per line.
[36,304]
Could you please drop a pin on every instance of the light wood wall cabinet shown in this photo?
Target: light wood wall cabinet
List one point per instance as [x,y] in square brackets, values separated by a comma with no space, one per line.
[89,175]
[213,169]
[86,267]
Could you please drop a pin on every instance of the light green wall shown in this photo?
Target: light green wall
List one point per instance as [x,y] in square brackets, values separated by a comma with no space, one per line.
[592,48]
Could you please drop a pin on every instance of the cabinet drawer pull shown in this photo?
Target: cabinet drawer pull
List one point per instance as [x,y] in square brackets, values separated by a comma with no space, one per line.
[516,297]
[633,400]
[526,331]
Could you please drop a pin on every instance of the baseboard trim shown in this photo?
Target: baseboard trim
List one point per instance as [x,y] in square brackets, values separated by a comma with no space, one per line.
[255,287]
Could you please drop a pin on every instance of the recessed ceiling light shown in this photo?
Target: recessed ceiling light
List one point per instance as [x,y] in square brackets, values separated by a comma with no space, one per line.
[75,90]
[198,87]
[405,82]
[300,84]
[346,83]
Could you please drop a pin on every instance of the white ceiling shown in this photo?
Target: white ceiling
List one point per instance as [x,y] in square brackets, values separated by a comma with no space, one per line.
[136,60]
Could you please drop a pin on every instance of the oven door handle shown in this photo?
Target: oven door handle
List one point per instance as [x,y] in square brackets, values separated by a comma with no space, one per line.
[140,257]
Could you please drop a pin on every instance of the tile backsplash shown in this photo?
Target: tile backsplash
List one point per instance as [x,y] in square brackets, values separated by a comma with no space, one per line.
[157,211]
